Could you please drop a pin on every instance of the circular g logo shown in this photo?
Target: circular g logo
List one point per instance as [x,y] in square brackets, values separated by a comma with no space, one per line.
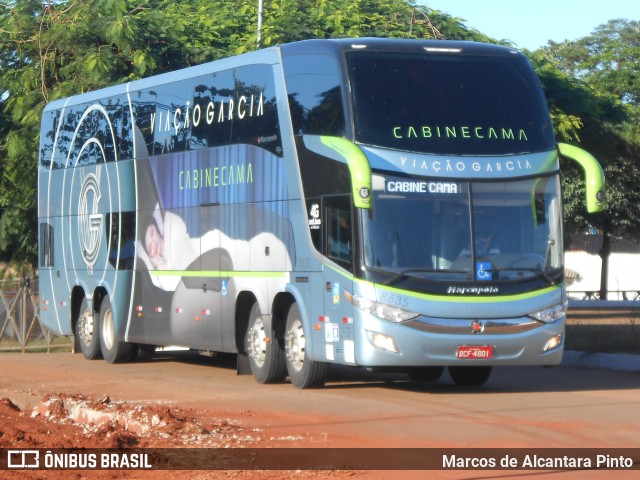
[89,220]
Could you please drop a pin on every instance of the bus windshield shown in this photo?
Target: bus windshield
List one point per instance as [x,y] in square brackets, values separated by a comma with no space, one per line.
[453,104]
[441,230]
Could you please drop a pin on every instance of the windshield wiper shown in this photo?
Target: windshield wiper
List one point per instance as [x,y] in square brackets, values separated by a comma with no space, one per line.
[551,278]
[405,273]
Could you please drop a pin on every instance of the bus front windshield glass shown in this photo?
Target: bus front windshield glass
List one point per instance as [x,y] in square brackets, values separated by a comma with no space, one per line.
[441,230]
[448,104]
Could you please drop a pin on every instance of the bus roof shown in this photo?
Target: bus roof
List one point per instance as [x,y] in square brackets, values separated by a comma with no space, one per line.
[266,56]
[271,55]
[397,44]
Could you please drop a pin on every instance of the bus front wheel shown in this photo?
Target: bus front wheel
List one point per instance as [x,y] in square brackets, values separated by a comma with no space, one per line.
[87,332]
[470,376]
[303,372]
[113,350]
[266,357]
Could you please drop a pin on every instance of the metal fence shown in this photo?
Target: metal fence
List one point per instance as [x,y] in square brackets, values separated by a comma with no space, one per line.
[20,328]
[613,295]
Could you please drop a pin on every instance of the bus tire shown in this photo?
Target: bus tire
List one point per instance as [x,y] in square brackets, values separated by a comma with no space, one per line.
[470,376]
[303,373]
[266,357]
[113,350]
[144,353]
[425,374]
[87,332]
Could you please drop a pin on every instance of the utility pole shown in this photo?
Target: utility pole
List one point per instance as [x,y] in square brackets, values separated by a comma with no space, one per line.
[260,2]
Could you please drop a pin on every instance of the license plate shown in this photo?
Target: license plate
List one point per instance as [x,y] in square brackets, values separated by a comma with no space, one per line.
[480,352]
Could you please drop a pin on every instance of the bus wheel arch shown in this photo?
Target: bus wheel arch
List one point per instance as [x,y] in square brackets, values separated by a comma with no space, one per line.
[244,302]
[280,308]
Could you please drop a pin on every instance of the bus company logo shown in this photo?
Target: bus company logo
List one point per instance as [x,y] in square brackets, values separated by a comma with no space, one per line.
[488,166]
[90,222]
[227,109]
[477,327]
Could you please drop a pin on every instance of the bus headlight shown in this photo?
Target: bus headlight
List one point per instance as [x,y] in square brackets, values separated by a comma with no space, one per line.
[550,314]
[553,342]
[381,310]
[382,341]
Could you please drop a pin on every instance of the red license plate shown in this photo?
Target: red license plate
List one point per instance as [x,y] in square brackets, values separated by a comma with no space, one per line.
[475,352]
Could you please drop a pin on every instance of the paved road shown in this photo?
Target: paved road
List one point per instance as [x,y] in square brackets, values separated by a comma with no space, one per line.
[518,407]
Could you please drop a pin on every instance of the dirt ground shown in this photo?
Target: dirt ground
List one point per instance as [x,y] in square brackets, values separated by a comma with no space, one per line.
[74,421]
[60,418]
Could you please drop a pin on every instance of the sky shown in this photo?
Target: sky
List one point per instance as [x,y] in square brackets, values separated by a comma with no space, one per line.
[533,23]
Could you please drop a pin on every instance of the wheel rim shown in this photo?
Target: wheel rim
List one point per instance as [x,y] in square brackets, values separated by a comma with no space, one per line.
[257,344]
[296,344]
[86,328]
[108,331]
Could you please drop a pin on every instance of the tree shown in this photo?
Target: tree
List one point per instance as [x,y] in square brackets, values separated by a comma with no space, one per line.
[595,82]
[54,49]
[608,59]
[50,50]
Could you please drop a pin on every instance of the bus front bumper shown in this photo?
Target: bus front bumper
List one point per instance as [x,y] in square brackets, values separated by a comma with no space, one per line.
[426,341]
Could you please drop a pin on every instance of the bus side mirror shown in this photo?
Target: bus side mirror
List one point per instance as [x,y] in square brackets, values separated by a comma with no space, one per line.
[358,167]
[594,176]
[347,152]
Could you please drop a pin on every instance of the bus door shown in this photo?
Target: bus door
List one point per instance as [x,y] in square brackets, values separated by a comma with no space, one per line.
[337,221]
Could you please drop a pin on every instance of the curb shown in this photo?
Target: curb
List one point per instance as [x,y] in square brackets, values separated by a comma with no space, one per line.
[602,361]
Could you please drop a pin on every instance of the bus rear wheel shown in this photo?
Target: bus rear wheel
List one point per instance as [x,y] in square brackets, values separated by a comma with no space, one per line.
[88,332]
[113,350]
[266,358]
[303,373]
[470,376]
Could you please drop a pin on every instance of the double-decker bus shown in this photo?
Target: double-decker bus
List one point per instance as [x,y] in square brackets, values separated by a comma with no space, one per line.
[367,202]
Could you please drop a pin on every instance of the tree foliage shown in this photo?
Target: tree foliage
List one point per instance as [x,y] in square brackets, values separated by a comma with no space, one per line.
[50,50]
[608,59]
[595,79]
[53,49]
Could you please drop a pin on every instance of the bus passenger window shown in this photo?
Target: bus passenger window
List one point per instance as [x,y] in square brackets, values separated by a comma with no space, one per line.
[338,230]
[315,100]
[121,236]
[46,245]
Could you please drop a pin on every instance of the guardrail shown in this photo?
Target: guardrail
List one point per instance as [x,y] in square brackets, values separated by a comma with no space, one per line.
[616,300]
[615,295]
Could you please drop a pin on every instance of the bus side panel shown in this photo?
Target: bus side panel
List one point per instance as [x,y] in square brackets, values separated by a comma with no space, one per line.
[85,191]
[213,166]
[224,230]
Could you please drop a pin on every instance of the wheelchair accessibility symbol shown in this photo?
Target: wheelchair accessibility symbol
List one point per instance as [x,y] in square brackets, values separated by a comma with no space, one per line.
[484,271]
[224,288]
